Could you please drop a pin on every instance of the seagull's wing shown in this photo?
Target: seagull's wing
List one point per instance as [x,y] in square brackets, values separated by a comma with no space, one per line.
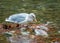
[17,18]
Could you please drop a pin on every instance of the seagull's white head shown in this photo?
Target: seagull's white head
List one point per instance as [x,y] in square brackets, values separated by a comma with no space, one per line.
[33,16]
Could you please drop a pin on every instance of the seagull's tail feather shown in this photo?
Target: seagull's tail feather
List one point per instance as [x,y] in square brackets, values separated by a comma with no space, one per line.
[8,20]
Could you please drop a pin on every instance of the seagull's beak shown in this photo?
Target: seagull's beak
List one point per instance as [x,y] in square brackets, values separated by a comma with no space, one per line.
[35,20]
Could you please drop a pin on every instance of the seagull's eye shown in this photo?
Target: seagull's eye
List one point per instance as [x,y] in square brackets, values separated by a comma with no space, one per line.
[33,16]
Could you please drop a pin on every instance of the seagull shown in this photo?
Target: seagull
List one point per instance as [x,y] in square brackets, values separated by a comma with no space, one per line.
[41,32]
[21,18]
